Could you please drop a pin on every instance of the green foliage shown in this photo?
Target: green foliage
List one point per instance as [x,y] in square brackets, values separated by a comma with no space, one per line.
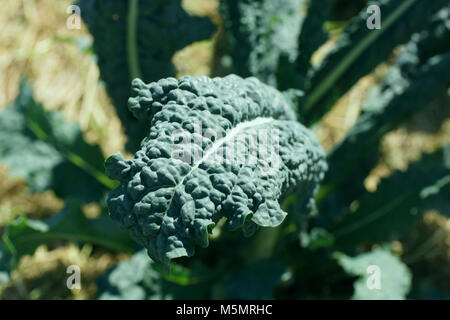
[434,39]
[49,152]
[24,235]
[137,39]
[133,279]
[5,265]
[420,73]
[428,291]
[359,50]
[395,278]
[171,203]
[201,169]
[256,281]
[390,103]
[139,278]
[393,208]
[258,33]
[312,34]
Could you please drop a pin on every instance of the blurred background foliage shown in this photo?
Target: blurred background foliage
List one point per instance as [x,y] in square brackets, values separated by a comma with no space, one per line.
[59,63]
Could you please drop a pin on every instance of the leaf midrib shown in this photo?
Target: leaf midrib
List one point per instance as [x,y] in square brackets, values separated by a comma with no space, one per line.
[216,145]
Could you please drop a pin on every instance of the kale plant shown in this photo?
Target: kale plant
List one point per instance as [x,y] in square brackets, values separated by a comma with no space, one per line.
[201,170]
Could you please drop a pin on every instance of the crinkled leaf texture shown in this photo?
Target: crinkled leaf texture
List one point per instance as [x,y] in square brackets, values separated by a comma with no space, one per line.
[171,204]
[394,276]
[259,32]
[138,38]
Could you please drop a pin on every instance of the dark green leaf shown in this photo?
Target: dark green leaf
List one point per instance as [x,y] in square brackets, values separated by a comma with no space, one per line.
[398,202]
[398,97]
[49,152]
[24,235]
[259,32]
[359,50]
[292,73]
[313,33]
[427,290]
[346,9]
[435,39]
[411,84]
[317,238]
[125,280]
[175,190]
[256,281]
[139,278]
[5,265]
[137,39]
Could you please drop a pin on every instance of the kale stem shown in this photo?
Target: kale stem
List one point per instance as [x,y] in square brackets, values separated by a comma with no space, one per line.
[132,45]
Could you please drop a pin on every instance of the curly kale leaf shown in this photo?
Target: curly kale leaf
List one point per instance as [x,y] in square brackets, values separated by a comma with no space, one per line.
[174,190]
[135,38]
[259,32]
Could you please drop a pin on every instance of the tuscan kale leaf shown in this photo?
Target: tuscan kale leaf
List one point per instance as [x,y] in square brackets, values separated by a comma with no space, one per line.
[217,148]
[259,33]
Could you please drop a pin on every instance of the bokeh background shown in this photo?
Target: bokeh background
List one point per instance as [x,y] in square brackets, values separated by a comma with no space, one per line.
[61,66]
